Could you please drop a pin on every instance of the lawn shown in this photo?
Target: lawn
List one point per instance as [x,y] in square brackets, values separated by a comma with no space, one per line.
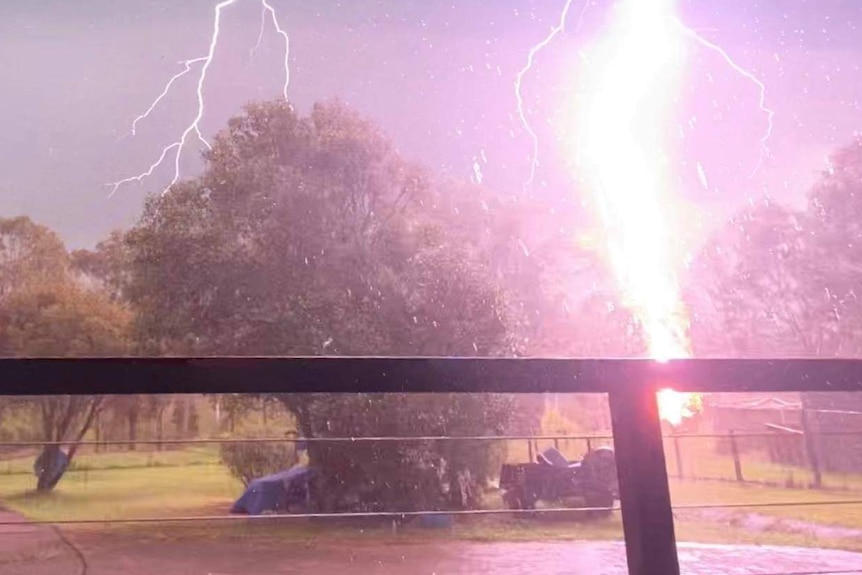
[127,485]
[88,461]
[699,459]
[193,482]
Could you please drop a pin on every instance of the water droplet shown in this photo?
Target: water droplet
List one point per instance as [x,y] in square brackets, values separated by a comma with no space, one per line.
[701,175]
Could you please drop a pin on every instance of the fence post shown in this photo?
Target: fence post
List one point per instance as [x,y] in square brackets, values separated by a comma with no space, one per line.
[734,450]
[589,445]
[811,450]
[530,450]
[677,454]
[644,492]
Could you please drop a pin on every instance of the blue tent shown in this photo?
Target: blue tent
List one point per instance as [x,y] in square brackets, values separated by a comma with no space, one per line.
[276,492]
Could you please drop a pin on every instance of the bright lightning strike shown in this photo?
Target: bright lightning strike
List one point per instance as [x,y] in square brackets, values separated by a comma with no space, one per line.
[618,152]
[621,120]
[178,146]
[519,78]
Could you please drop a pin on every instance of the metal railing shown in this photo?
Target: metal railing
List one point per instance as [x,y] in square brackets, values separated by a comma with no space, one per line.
[630,384]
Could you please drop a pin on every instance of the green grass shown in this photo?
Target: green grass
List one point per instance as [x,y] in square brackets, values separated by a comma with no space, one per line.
[720,492]
[122,493]
[201,455]
[193,482]
[701,461]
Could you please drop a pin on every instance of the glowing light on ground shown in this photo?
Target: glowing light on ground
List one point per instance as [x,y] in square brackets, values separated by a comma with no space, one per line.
[205,62]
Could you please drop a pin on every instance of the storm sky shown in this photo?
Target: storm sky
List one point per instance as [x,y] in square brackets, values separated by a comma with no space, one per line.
[437,76]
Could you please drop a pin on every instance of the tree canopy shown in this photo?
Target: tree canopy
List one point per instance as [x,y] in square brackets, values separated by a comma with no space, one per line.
[312,236]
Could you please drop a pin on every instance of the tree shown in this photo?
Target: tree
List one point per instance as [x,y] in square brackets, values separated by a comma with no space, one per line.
[835,209]
[61,321]
[757,289]
[29,254]
[310,236]
[44,313]
[107,267]
[781,282]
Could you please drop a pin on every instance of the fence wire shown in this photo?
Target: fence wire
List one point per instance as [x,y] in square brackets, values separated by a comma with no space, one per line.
[413,514]
[418,438]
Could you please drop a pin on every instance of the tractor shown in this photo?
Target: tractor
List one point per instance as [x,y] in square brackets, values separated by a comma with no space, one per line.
[554,479]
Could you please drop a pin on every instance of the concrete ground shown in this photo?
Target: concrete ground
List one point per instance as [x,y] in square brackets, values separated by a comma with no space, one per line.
[39,550]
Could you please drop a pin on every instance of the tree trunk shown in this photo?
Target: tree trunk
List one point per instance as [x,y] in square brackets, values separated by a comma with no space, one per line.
[49,465]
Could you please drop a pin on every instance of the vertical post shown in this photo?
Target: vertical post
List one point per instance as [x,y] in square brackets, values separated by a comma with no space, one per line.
[557,443]
[737,464]
[644,491]
[530,450]
[811,449]
[97,432]
[677,453]
[589,445]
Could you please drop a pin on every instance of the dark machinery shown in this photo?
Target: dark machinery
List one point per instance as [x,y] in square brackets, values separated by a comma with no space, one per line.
[591,481]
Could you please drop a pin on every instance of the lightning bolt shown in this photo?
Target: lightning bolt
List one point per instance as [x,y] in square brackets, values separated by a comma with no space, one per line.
[179,145]
[769,112]
[254,49]
[160,97]
[621,119]
[519,78]
[283,34]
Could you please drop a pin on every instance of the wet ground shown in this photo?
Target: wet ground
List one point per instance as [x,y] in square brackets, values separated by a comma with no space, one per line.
[43,553]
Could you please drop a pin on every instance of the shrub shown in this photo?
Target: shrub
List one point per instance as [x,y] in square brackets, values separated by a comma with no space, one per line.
[250,460]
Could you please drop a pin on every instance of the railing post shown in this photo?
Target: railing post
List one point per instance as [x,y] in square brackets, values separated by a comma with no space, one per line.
[644,491]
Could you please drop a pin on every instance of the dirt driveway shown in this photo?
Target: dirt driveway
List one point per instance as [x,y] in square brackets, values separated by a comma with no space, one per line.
[433,558]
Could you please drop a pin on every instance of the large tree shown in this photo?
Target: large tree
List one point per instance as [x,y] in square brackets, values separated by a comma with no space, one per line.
[312,236]
[758,289]
[45,313]
[835,213]
[776,281]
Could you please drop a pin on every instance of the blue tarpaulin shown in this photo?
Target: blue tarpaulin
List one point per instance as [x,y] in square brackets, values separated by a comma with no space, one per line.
[276,492]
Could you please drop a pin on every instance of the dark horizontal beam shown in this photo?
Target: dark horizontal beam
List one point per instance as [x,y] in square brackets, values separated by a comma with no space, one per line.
[382,374]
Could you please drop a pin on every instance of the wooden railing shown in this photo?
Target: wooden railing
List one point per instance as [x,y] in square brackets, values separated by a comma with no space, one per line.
[630,384]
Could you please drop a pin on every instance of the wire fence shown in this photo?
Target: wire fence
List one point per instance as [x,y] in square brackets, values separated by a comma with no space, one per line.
[781,456]
[744,457]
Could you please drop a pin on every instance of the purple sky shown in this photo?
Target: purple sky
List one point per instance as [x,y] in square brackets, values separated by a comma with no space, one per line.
[438,76]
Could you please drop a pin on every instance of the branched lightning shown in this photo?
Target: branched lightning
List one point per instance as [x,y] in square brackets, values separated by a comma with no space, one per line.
[519,77]
[256,47]
[194,127]
[284,35]
[174,78]
[770,113]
